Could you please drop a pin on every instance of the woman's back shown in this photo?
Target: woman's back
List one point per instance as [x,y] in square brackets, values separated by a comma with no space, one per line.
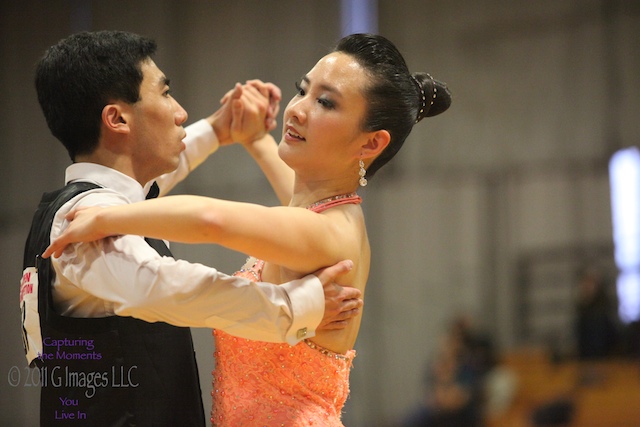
[272,384]
[354,245]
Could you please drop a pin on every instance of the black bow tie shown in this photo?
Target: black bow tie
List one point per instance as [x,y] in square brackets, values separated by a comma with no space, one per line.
[156,244]
[154,191]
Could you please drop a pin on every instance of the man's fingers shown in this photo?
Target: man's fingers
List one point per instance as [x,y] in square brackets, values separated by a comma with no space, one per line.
[338,324]
[47,253]
[234,93]
[237,110]
[226,97]
[269,90]
[351,293]
[341,303]
[271,95]
[54,249]
[342,320]
[255,103]
[348,314]
[329,274]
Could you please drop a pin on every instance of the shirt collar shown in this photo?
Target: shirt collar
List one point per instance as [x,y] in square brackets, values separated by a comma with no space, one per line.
[108,178]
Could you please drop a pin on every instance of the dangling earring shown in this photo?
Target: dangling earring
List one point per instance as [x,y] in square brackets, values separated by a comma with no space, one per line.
[362,172]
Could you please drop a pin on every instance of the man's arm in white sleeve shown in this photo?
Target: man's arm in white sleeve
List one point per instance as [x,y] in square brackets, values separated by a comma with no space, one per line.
[131,279]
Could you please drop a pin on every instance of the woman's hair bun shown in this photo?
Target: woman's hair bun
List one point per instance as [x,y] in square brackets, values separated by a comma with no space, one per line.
[435,97]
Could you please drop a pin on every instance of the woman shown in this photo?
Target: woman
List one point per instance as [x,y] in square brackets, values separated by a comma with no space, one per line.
[352,113]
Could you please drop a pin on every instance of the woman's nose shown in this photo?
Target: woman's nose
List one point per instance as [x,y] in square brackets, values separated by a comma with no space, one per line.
[297,108]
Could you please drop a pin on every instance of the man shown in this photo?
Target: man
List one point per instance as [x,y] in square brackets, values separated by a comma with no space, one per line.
[107,321]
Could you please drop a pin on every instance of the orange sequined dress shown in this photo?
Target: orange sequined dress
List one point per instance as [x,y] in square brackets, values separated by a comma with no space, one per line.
[259,383]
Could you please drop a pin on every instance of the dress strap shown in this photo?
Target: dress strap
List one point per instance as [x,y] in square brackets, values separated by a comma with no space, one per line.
[330,202]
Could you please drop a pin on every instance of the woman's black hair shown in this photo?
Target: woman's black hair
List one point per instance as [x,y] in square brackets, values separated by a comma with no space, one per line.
[396,98]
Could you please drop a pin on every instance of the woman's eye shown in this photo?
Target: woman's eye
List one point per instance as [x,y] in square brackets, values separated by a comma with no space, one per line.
[325,103]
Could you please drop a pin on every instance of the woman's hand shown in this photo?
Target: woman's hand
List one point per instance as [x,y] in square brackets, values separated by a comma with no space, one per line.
[273,95]
[253,107]
[83,227]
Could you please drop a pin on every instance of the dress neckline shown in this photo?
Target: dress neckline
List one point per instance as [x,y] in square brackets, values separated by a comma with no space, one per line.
[340,199]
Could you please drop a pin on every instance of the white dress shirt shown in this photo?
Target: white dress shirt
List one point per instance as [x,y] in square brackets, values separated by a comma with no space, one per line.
[124,276]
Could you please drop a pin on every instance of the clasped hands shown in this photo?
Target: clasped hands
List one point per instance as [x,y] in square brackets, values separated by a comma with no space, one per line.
[247,113]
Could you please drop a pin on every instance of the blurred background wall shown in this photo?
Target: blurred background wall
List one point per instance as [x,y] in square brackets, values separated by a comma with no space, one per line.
[488,211]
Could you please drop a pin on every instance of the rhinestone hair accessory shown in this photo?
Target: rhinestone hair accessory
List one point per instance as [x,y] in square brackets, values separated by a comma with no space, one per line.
[424,108]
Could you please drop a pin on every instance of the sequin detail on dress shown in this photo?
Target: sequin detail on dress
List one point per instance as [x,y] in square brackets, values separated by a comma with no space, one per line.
[259,383]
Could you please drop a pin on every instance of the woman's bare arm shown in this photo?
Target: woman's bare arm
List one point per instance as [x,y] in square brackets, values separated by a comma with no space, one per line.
[294,238]
[281,177]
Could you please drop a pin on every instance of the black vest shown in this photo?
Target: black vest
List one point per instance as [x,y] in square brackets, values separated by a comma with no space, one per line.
[111,371]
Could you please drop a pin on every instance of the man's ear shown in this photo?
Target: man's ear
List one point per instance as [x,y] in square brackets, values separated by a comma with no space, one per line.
[115,118]
[377,142]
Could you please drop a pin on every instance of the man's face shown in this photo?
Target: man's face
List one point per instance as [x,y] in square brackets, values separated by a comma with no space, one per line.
[156,126]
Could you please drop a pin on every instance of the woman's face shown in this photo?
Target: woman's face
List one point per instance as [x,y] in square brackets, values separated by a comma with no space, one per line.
[322,131]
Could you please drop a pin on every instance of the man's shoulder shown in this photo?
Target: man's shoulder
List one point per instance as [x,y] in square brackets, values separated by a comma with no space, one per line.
[92,194]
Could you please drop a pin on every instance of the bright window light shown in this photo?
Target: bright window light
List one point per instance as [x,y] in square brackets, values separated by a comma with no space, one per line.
[624,173]
[359,16]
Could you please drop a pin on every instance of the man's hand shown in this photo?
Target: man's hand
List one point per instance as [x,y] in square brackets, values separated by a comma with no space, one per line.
[341,303]
[247,112]
[250,118]
[274,95]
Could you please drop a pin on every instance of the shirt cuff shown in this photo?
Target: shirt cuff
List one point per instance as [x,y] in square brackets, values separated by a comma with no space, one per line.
[307,303]
[201,141]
